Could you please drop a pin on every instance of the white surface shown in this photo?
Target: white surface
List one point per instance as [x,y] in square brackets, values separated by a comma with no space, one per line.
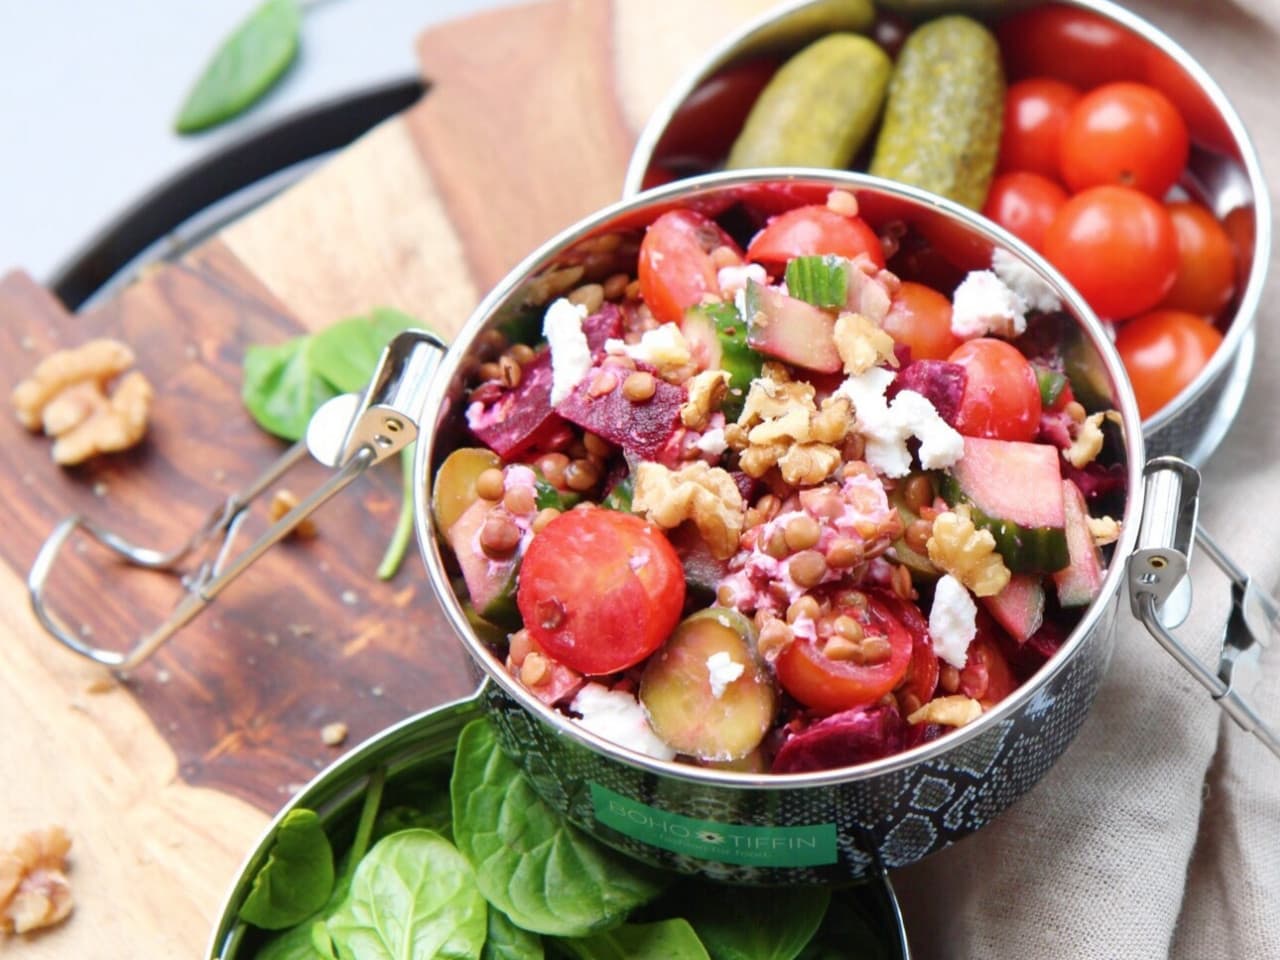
[89,90]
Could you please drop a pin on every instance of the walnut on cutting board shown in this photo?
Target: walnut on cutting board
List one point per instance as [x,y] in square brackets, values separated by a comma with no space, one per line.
[34,892]
[67,397]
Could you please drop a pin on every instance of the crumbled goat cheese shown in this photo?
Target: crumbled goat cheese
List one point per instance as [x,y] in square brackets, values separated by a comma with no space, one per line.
[733,279]
[1025,282]
[713,442]
[952,621]
[982,304]
[617,716]
[886,427]
[570,353]
[722,670]
[663,347]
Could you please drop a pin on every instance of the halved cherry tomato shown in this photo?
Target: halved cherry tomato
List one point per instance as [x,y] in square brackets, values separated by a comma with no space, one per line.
[1063,41]
[1163,351]
[810,230]
[1025,204]
[920,318]
[676,268]
[921,680]
[600,590]
[1117,246]
[1035,114]
[1127,135]
[1206,261]
[830,686]
[1001,398]
[987,676]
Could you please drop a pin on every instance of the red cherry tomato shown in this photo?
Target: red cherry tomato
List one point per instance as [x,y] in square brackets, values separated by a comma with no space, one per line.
[920,318]
[813,230]
[1035,114]
[1163,351]
[1204,121]
[703,129]
[987,676]
[1117,247]
[600,590]
[1127,135]
[830,686]
[675,267]
[1078,46]
[1001,398]
[1206,261]
[921,680]
[1024,204]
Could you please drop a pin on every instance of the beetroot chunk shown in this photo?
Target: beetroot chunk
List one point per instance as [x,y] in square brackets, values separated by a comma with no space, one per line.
[940,382]
[1096,480]
[844,739]
[604,324]
[642,429]
[520,418]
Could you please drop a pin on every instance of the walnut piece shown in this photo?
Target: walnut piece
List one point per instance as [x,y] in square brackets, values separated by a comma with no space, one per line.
[34,891]
[704,494]
[781,426]
[959,548]
[953,711]
[861,344]
[706,393]
[1104,530]
[1087,442]
[67,397]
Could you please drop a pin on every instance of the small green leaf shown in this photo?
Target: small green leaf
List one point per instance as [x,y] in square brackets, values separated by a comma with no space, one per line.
[530,863]
[820,280]
[1051,384]
[347,353]
[245,67]
[506,941]
[281,388]
[413,895]
[297,943]
[783,919]
[665,940]
[297,878]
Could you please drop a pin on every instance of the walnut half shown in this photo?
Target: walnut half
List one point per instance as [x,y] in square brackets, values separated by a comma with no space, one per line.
[66,396]
[706,495]
[34,891]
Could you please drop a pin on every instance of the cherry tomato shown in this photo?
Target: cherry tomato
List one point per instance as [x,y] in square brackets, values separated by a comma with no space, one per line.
[1127,135]
[811,230]
[830,686]
[600,590]
[1204,121]
[920,318]
[1024,204]
[1163,351]
[1078,46]
[1206,261]
[676,268]
[1241,227]
[703,129]
[1117,247]
[1001,397]
[921,680]
[987,676]
[1035,114]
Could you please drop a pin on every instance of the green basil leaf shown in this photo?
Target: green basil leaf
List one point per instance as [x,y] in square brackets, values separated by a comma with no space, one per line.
[281,389]
[506,941]
[530,863]
[665,940]
[297,878]
[347,353]
[413,895]
[783,920]
[245,67]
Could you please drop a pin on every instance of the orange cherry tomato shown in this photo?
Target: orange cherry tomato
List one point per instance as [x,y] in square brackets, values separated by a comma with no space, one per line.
[920,318]
[1163,351]
[1127,135]
[1035,114]
[830,686]
[676,268]
[814,229]
[1024,204]
[1117,247]
[1206,261]
[600,590]
[1001,398]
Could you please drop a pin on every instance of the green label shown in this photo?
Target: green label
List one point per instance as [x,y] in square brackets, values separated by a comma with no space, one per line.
[807,846]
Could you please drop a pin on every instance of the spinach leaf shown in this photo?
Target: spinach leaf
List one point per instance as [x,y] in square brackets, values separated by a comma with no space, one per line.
[297,943]
[346,353]
[297,878]
[245,66]
[856,924]
[413,895]
[665,940]
[506,941]
[530,863]
[281,388]
[782,920]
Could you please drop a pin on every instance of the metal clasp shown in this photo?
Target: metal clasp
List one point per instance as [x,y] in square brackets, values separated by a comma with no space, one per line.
[1159,566]
[350,433]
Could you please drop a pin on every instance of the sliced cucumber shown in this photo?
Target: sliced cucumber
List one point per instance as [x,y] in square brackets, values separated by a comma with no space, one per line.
[1080,582]
[790,329]
[491,584]
[717,336]
[921,567]
[1019,607]
[454,488]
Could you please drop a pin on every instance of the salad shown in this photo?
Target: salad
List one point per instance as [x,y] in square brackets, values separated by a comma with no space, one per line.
[792,494]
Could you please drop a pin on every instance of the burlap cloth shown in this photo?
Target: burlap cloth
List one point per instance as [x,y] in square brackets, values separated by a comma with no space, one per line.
[1158,833]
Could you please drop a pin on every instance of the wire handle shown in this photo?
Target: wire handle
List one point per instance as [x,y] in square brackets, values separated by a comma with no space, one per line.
[349,433]
[1168,534]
